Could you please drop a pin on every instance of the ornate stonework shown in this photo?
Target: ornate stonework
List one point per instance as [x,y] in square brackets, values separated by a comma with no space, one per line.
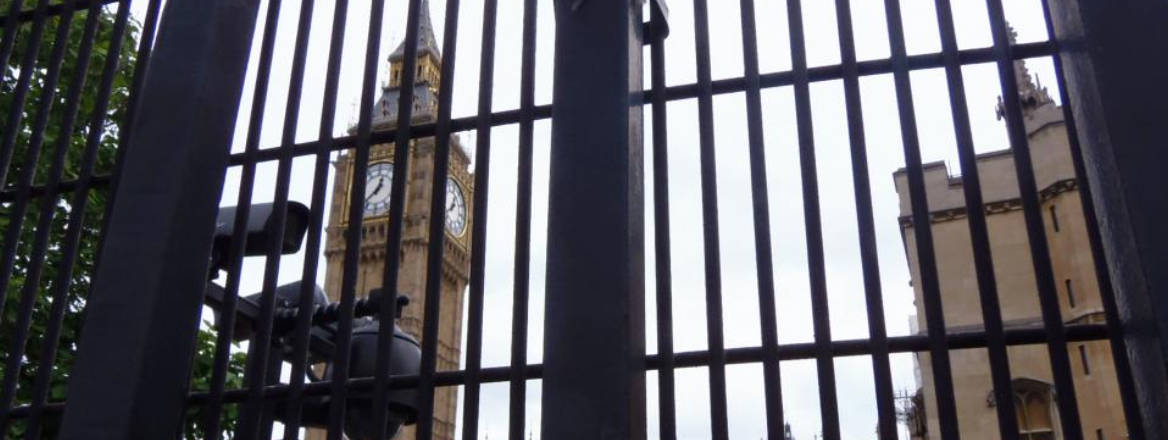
[415,229]
[1092,368]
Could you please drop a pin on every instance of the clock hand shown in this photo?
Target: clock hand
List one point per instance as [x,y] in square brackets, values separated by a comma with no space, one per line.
[377,189]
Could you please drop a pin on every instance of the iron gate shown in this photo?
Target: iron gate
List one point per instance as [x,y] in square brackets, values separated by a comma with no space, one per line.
[156,132]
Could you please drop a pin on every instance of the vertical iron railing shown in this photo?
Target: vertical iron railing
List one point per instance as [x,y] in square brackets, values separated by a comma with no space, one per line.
[661,228]
[877,332]
[341,354]
[813,223]
[299,358]
[143,313]
[146,300]
[239,242]
[978,230]
[594,319]
[1035,231]
[927,264]
[710,239]
[1111,98]
[1127,388]
[478,247]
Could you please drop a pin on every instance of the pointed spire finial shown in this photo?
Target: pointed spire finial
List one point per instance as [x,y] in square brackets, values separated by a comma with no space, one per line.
[1031,93]
[426,40]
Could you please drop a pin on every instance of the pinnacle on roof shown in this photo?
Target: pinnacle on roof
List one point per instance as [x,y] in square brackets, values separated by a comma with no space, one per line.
[426,40]
[1031,92]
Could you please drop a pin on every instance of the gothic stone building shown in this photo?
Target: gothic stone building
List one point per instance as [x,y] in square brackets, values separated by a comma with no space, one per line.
[375,225]
[1078,291]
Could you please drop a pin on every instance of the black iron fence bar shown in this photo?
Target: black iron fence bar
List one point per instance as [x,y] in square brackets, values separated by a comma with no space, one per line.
[264,365]
[521,275]
[393,243]
[14,361]
[824,364]
[130,374]
[145,48]
[978,231]
[437,230]
[672,93]
[689,359]
[1117,99]
[55,9]
[417,131]
[8,144]
[44,108]
[1119,353]
[719,425]
[869,258]
[478,246]
[693,359]
[254,421]
[78,207]
[11,22]
[224,335]
[772,386]
[594,321]
[98,181]
[1039,252]
[666,400]
[437,218]
[930,286]
[896,344]
[47,210]
[299,357]
[367,383]
[20,93]
[341,356]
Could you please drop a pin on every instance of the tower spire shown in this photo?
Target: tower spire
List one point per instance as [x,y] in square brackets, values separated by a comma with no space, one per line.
[427,76]
[427,43]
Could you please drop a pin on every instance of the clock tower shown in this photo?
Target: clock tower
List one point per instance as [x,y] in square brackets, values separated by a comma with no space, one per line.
[415,235]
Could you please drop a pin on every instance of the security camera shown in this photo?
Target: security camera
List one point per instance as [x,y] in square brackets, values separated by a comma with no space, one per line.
[259,230]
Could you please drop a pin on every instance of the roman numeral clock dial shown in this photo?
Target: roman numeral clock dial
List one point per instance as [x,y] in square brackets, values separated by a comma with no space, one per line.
[455,208]
[378,181]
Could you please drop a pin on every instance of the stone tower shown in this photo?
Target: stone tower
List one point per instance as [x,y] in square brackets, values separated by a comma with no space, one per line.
[415,237]
[1092,366]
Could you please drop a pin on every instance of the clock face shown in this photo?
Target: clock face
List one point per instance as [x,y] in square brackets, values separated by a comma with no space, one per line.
[455,209]
[377,188]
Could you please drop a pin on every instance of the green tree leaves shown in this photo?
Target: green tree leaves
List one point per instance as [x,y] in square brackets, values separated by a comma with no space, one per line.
[92,217]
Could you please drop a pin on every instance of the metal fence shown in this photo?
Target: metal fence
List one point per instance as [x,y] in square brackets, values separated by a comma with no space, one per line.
[168,152]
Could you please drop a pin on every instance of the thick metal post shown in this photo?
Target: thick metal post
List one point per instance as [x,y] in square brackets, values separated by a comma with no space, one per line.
[133,368]
[1112,54]
[594,328]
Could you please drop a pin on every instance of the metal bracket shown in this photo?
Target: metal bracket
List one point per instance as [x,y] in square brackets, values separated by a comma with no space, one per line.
[650,32]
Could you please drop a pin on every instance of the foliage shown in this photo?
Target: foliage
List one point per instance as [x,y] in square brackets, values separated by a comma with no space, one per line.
[93,211]
[204,363]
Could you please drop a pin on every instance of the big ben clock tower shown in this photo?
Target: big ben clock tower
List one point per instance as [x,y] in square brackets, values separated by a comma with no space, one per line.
[415,236]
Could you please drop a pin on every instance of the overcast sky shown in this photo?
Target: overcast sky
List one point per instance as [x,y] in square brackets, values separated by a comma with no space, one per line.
[740,298]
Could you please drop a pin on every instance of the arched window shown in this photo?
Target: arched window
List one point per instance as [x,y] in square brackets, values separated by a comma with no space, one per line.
[1032,405]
